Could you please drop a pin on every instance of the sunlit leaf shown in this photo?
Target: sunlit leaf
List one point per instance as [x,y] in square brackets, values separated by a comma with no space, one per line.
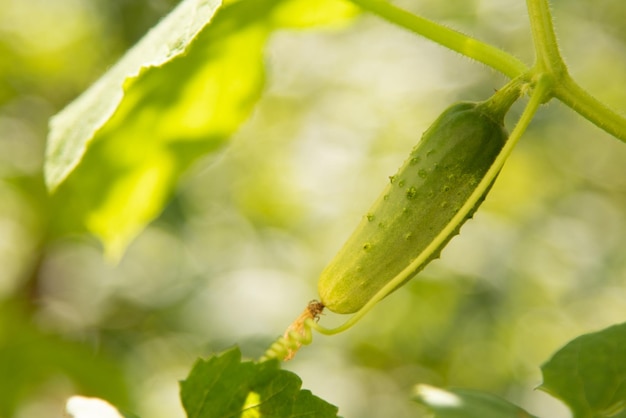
[589,373]
[462,403]
[224,386]
[305,13]
[72,129]
[170,116]
[115,162]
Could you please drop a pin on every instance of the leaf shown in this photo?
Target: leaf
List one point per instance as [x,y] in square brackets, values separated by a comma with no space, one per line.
[224,386]
[114,156]
[589,373]
[170,115]
[305,13]
[73,128]
[463,403]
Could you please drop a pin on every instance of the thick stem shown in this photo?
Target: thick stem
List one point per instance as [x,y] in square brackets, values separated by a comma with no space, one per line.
[499,104]
[546,47]
[454,40]
[577,98]
[549,61]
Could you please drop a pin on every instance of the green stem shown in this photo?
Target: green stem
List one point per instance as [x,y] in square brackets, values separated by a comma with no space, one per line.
[499,104]
[578,99]
[546,47]
[550,63]
[541,91]
[452,39]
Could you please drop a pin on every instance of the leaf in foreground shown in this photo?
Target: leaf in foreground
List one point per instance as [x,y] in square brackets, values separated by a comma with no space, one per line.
[589,373]
[115,154]
[73,128]
[170,115]
[224,386]
[462,403]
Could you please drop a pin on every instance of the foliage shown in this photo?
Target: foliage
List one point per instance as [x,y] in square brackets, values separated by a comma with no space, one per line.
[133,145]
[589,373]
[224,386]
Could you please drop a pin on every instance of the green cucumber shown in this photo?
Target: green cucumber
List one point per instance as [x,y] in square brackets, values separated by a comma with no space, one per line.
[440,175]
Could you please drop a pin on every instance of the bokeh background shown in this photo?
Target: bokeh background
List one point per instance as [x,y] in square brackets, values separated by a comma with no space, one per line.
[235,256]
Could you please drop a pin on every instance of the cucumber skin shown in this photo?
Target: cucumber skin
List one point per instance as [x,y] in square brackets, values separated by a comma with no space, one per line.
[440,174]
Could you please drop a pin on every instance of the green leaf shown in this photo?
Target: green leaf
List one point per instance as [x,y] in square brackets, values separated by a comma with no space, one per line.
[73,128]
[224,386]
[305,13]
[589,374]
[114,156]
[169,116]
[463,403]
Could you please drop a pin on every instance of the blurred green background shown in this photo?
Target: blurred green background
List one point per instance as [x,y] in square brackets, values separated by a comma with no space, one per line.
[234,257]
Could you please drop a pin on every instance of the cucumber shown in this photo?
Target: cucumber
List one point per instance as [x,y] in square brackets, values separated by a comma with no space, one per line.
[432,185]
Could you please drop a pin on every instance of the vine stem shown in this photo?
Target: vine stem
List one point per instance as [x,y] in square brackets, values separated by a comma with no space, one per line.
[548,57]
[544,38]
[550,61]
[583,103]
[542,90]
[463,44]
